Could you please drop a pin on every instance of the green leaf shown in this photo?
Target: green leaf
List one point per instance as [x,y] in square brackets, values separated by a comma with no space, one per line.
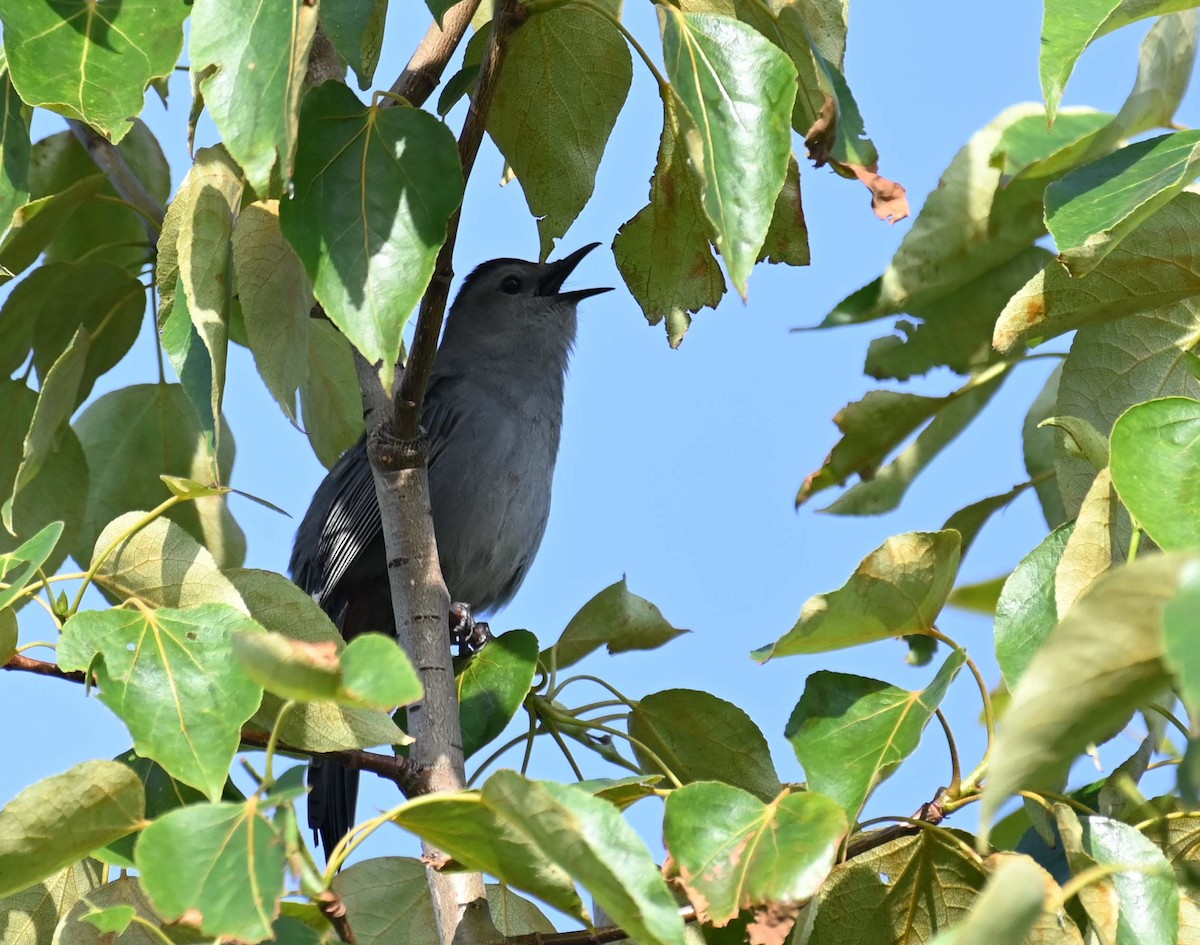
[55,404]
[202,215]
[734,852]
[1146,906]
[14,151]
[171,677]
[61,819]
[8,636]
[956,329]
[898,879]
[381,893]
[104,300]
[114,919]
[102,226]
[970,519]
[1113,366]
[492,686]
[663,251]
[898,589]
[18,567]
[276,301]
[234,875]
[161,565]
[376,674]
[1008,909]
[1026,611]
[90,61]
[787,236]
[330,397]
[970,225]
[616,618]
[30,917]
[1156,264]
[1092,209]
[1070,26]
[981,597]
[1093,546]
[566,75]
[280,606]
[301,672]
[1101,662]
[1179,644]
[366,241]
[248,62]
[163,793]
[702,738]
[588,838]
[480,837]
[356,31]
[737,89]
[850,733]
[883,489]
[622,792]
[39,221]
[133,435]
[1154,469]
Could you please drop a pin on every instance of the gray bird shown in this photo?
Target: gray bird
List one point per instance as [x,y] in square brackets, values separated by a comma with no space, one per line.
[493,415]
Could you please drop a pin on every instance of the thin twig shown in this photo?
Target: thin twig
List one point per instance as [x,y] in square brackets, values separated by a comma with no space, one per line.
[334,909]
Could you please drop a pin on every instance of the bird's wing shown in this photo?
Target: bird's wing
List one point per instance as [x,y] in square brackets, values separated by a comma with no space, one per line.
[438,417]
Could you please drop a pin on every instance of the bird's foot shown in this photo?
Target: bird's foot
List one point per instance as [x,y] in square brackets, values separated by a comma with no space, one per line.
[467,633]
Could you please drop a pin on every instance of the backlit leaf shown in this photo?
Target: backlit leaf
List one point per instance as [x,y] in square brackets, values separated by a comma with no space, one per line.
[492,686]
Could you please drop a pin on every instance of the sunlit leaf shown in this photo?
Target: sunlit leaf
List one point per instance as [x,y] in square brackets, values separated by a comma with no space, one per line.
[61,819]
[1026,611]
[1093,545]
[492,686]
[29,917]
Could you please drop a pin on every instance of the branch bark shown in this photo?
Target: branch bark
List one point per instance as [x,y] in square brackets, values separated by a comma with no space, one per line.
[124,179]
[398,453]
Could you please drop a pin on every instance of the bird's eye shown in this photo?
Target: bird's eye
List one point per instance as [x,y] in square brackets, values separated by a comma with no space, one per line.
[511,285]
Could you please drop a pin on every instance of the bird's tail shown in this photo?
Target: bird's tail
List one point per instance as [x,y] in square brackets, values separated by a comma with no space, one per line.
[332,799]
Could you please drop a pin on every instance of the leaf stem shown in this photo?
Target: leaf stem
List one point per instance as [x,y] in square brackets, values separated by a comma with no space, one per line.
[664,87]
[941,832]
[1093,874]
[36,643]
[1170,717]
[273,743]
[955,770]
[511,743]
[557,690]
[1134,541]
[989,714]
[637,743]
[562,746]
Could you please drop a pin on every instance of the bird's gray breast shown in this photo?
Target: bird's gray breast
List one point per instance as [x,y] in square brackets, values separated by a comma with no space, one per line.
[492,464]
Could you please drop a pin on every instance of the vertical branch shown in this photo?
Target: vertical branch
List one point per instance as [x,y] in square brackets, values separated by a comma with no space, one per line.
[398,453]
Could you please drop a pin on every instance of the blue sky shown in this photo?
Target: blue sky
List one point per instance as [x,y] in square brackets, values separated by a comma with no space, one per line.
[678,468]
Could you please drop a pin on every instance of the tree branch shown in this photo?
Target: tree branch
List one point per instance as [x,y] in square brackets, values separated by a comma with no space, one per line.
[26,664]
[123,178]
[424,70]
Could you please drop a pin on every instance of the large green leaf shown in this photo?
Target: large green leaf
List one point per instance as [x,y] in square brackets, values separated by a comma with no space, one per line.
[1156,264]
[234,874]
[14,151]
[734,852]
[171,676]
[898,589]
[374,188]
[565,77]
[615,618]
[30,916]
[492,686]
[92,61]
[1113,366]
[850,733]
[280,606]
[702,738]
[276,301]
[737,89]
[356,30]
[1092,209]
[1070,26]
[1026,611]
[132,436]
[1179,639]
[663,252]
[1156,467]
[61,819]
[916,886]
[1008,909]
[248,61]
[590,840]
[1098,665]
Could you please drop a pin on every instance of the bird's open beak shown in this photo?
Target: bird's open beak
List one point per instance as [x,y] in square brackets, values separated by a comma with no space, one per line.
[558,272]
